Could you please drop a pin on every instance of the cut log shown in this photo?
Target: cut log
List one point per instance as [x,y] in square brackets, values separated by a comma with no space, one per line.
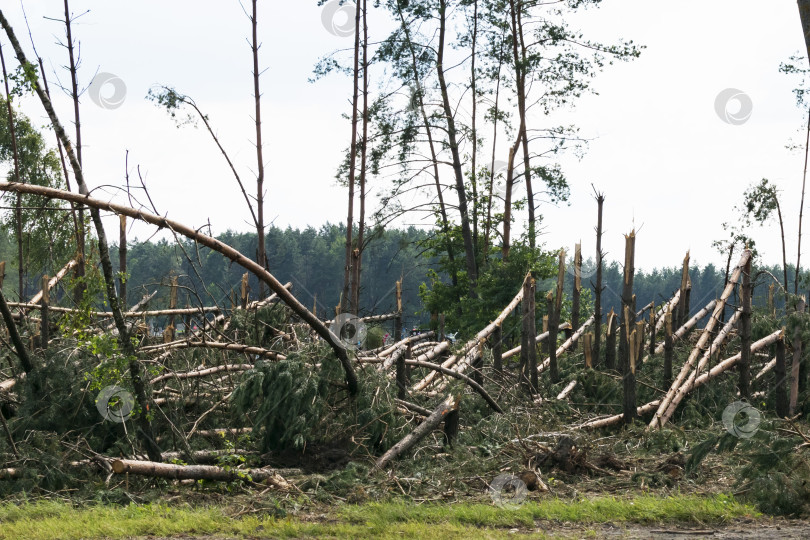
[235,347]
[430,423]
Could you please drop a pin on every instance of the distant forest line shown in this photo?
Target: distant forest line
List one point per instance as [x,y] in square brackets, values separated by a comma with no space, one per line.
[312,259]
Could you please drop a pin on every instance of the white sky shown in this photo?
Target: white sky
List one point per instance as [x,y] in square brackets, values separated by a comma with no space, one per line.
[663,157]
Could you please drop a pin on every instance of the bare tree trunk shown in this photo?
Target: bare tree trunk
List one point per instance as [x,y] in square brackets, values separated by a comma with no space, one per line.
[488,223]
[801,205]
[575,296]
[795,368]
[78,292]
[464,216]
[474,132]
[598,286]
[780,373]
[261,255]
[17,178]
[445,223]
[683,310]
[528,351]
[628,310]
[345,299]
[361,222]
[745,333]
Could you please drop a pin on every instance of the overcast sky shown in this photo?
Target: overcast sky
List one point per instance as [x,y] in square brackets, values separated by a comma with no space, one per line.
[667,162]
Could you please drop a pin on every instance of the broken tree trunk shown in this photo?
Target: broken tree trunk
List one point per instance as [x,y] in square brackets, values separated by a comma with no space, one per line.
[683,312]
[528,351]
[745,333]
[297,307]
[430,423]
[795,368]
[575,296]
[54,280]
[472,345]
[688,325]
[780,372]
[554,321]
[713,373]
[610,341]
[660,416]
[598,287]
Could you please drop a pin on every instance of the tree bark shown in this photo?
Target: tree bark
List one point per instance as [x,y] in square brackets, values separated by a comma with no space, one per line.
[466,233]
[795,368]
[189,472]
[22,354]
[345,299]
[780,373]
[662,415]
[528,352]
[261,256]
[745,333]
[598,286]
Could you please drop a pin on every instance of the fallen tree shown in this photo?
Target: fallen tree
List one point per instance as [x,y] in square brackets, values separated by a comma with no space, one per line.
[194,472]
[232,254]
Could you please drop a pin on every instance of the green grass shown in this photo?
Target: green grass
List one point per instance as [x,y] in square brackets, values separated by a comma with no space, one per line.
[376,520]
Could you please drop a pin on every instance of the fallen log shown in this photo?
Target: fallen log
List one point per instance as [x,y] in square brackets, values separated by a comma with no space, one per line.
[389,349]
[449,405]
[371,318]
[768,367]
[661,416]
[235,347]
[698,382]
[438,350]
[666,308]
[202,372]
[412,407]
[567,390]
[193,472]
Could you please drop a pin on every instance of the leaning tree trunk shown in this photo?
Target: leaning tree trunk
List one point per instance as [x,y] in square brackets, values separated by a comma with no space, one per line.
[297,307]
[145,428]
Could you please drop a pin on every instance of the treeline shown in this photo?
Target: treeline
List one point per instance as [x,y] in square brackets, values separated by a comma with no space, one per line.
[312,259]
